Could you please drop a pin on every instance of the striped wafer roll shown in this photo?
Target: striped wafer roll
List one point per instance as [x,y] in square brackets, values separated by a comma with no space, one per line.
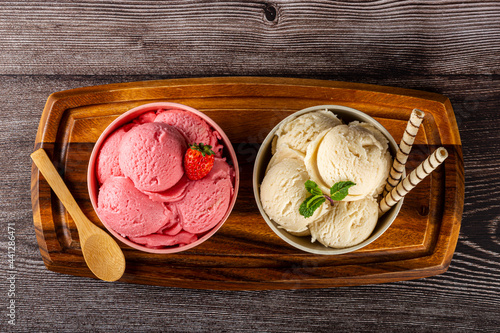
[404,150]
[415,177]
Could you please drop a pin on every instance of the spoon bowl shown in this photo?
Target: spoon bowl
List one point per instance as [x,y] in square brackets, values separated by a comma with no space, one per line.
[107,261]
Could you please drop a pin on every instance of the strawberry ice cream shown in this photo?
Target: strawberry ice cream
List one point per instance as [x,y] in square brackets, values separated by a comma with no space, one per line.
[151,156]
[173,194]
[144,193]
[129,211]
[207,199]
[158,240]
[194,129]
[108,164]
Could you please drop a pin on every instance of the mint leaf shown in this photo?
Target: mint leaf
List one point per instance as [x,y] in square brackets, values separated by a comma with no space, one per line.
[340,190]
[312,188]
[314,201]
[309,205]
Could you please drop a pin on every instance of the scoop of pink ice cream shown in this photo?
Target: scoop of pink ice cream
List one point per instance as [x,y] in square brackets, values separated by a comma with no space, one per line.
[207,199]
[147,117]
[173,194]
[160,240]
[128,211]
[171,230]
[195,129]
[151,156]
[107,161]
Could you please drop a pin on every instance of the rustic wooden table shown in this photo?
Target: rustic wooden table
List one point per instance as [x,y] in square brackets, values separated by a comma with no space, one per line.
[447,47]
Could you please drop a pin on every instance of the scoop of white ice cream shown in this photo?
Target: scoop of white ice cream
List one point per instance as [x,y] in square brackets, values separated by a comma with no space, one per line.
[282,192]
[299,132]
[283,153]
[347,223]
[350,152]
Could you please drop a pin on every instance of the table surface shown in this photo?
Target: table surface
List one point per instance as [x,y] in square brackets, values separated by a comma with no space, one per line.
[448,47]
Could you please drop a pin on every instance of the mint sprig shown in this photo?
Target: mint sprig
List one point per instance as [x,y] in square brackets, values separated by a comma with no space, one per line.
[340,190]
[337,192]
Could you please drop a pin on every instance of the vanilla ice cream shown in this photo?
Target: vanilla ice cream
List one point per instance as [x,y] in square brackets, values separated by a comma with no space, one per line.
[346,224]
[283,153]
[317,146]
[298,132]
[350,152]
[282,192]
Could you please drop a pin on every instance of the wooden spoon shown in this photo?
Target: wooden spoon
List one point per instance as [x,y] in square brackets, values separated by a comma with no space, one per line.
[100,251]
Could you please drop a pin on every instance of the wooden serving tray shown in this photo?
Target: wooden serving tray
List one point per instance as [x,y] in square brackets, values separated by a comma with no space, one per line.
[245,253]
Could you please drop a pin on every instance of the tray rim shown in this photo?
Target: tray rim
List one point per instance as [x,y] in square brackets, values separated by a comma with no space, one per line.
[63,99]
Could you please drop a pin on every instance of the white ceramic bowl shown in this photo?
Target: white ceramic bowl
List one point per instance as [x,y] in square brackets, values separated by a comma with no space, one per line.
[304,242]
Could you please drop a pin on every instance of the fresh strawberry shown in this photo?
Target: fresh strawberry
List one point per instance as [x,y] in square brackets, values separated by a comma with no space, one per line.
[198,161]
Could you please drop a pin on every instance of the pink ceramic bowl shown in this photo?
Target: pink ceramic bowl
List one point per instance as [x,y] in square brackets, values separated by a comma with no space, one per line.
[93,184]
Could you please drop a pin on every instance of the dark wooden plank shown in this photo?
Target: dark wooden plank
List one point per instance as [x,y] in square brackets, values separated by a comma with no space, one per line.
[447,47]
[219,38]
[464,298]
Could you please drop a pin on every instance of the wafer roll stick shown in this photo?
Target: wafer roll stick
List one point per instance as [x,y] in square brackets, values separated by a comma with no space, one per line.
[415,177]
[409,135]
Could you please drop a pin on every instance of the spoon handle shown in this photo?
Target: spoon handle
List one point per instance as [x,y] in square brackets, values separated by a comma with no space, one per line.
[55,181]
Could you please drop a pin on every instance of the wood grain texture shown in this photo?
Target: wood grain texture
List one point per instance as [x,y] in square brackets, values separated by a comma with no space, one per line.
[446,47]
[307,37]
